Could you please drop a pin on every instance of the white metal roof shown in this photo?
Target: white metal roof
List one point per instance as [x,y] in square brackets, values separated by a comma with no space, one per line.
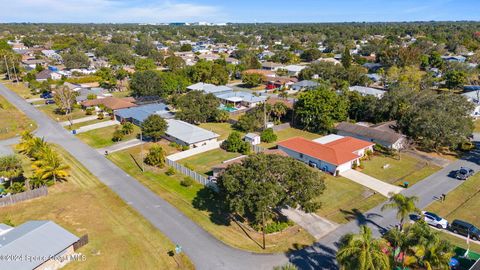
[328,138]
[188,133]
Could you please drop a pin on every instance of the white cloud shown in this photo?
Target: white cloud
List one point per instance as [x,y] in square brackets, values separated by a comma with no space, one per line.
[116,11]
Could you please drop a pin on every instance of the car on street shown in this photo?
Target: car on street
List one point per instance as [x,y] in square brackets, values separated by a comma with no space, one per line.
[434,220]
[49,101]
[466,229]
[464,173]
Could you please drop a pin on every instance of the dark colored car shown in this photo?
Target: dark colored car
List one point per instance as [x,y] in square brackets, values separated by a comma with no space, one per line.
[464,173]
[46,95]
[465,229]
[49,101]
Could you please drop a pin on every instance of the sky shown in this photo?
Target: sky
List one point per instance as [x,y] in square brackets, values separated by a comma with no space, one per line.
[241,11]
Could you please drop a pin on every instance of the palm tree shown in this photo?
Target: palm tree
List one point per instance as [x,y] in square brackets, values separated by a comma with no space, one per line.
[50,166]
[362,252]
[32,146]
[403,204]
[279,109]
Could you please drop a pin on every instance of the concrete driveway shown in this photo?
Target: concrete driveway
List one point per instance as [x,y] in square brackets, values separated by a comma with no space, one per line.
[317,226]
[372,183]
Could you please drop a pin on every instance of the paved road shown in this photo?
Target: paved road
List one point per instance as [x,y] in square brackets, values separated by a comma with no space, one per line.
[204,250]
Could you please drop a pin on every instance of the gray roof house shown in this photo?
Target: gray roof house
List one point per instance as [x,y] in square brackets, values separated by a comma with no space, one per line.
[474,98]
[40,240]
[304,85]
[83,93]
[138,114]
[380,136]
[187,134]
[367,91]
[209,88]
[243,98]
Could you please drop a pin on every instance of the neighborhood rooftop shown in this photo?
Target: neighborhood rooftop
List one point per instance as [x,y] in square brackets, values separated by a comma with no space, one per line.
[188,133]
[369,132]
[241,96]
[140,113]
[36,239]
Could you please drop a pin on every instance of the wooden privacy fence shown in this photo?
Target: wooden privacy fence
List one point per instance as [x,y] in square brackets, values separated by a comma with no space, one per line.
[24,196]
[194,175]
[81,242]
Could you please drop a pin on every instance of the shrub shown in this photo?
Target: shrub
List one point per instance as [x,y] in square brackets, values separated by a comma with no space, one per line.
[100,116]
[127,128]
[117,135]
[185,147]
[268,135]
[89,111]
[187,181]
[234,143]
[155,157]
[277,226]
[171,171]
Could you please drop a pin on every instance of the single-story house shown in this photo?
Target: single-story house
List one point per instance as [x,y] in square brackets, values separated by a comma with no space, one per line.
[208,88]
[328,60]
[267,75]
[286,102]
[304,85]
[281,83]
[454,58]
[332,153]
[111,103]
[231,60]
[474,98]
[272,66]
[138,114]
[38,245]
[252,138]
[83,93]
[374,77]
[240,98]
[385,138]
[362,90]
[220,168]
[47,74]
[294,70]
[189,135]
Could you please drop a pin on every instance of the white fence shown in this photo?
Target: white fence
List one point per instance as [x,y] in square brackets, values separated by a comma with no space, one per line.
[194,175]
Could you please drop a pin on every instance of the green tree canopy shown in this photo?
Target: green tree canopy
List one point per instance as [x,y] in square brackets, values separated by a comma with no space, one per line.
[196,107]
[154,127]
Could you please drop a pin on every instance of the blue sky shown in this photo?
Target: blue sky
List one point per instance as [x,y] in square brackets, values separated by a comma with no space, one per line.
[155,11]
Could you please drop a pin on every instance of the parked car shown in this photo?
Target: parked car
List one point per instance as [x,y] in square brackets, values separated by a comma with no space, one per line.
[49,101]
[434,220]
[464,228]
[46,95]
[464,173]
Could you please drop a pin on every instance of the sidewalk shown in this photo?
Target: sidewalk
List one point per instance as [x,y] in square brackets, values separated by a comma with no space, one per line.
[97,126]
[194,151]
[370,182]
[311,222]
[120,146]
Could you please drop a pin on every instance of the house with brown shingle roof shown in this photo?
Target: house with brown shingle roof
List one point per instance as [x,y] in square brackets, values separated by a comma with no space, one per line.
[384,137]
[332,153]
[111,103]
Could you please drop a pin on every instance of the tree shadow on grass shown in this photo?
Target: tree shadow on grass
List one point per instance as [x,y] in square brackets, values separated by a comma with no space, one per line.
[208,200]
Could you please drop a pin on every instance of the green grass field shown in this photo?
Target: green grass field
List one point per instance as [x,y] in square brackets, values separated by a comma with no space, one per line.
[407,169]
[204,162]
[119,238]
[82,124]
[50,111]
[290,133]
[222,129]
[197,203]
[13,121]
[21,89]
[102,137]
[343,199]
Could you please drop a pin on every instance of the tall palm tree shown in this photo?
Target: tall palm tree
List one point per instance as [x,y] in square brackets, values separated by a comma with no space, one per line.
[362,252]
[32,147]
[435,254]
[403,204]
[49,166]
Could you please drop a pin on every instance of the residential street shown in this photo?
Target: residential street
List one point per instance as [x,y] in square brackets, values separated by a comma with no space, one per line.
[204,250]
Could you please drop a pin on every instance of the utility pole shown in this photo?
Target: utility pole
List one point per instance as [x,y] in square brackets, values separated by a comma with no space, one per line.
[15,71]
[6,65]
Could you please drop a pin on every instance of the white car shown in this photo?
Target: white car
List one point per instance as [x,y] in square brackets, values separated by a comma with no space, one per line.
[434,220]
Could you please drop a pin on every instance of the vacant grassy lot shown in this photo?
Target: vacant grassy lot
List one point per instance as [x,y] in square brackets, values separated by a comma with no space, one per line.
[13,121]
[87,123]
[204,162]
[50,110]
[343,199]
[290,133]
[102,137]
[20,88]
[222,129]
[197,203]
[119,237]
[407,169]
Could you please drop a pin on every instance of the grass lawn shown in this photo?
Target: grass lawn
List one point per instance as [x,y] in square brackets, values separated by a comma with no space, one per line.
[290,133]
[50,111]
[222,129]
[13,121]
[407,169]
[102,137]
[119,237]
[203,163]
[343,198]
[122,94]
[82,124]
[21,89]
[196,202]
[459,242]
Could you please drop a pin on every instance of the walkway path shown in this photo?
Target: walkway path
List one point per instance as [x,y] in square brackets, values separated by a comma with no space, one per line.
[205,251]
[372,183]
[97,126]
[120,146]
[194,151]
[30,100]
[317,226]
[80,120]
